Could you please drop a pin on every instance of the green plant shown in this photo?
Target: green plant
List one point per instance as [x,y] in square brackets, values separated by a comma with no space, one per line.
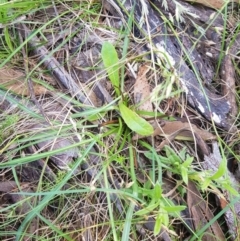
[7,125]
[111,170]
[159,205]
[131,118]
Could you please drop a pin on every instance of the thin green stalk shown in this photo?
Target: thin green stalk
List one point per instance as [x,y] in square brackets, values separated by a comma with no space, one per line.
[36,210]
[125,46]
[110,210]
[130,211]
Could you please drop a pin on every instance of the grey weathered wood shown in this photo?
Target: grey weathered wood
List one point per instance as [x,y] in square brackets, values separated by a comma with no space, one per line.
[232,215]
[62,76]
[210,105]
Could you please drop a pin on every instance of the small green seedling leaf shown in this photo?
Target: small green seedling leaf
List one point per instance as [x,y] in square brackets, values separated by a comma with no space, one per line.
[8,39]
[228,187]
[162,218]
[147,210]
[111,63]
[165,218]
[187,163]
[172,155]
[174,209]
[157,191]
[158,225]
[221,170]
[184,173]
[205,183]
[135,122]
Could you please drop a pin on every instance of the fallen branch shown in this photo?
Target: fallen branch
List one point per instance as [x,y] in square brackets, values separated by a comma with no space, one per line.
[62,76]
[172,56]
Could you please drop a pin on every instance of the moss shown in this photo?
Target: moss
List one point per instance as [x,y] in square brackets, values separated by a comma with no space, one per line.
[7,126]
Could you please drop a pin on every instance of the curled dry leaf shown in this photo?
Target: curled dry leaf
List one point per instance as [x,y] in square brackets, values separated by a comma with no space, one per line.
[14,80]
[142,90]
[185,130]
[11,189]
[216,4]
[179,130]
[228,86]
[63,158]
[201,215]
[202,146]
[24,203]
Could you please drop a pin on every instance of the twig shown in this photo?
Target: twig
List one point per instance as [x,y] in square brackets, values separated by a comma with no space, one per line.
[30,84]
[62,76]
[170,54]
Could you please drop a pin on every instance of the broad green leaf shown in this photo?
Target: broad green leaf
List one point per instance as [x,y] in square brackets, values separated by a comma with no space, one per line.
[111,63]
[135,122]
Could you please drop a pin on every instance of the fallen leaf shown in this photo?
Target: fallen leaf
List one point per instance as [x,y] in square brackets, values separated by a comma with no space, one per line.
[142,90]
[14,80]
[11,189]
[201,215]
[63,158]
[179,130]
[216,4]
[184,130]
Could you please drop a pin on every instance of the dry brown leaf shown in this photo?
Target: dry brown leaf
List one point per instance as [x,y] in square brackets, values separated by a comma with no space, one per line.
[14,80]
[200,142]
[24,203]
[184,130]
[179,130]
[216,4]
[201,215]
[61,159]
[11,189]
[142,90]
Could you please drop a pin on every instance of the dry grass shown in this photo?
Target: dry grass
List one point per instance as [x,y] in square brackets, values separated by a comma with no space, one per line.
[79,170]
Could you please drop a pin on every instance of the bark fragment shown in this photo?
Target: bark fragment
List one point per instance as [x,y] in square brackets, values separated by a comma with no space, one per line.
[171,55]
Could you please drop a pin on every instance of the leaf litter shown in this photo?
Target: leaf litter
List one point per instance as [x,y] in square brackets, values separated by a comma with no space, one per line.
[48,145]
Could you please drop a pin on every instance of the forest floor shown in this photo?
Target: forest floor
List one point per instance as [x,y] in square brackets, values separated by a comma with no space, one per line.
[119,120]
